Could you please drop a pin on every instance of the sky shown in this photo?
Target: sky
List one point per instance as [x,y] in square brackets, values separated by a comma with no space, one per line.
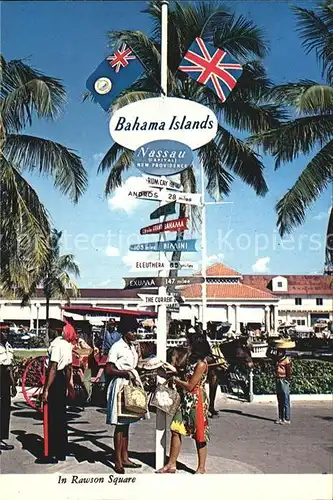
[67,40]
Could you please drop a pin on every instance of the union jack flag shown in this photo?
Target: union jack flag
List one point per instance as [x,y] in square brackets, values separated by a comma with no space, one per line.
[216,68]
[120,59]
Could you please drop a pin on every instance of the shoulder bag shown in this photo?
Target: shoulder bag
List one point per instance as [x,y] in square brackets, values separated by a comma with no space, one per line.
[135,399]
[166,399]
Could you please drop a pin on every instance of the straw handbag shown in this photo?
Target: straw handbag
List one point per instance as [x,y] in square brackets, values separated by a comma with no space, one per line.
[166,399]
[135,399]
[121,410]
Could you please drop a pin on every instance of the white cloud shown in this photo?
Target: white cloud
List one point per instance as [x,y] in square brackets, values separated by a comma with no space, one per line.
[213,258]
[120,200]
[321,216]
[261,265]
[112,251]
[132,257]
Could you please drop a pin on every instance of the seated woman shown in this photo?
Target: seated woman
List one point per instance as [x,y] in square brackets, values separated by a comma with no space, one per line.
[191,418]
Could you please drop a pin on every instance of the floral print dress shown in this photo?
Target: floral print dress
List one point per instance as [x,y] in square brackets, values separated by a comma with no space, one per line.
[191,418]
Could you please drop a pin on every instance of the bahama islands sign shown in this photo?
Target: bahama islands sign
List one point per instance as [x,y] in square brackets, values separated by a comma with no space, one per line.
[163,118]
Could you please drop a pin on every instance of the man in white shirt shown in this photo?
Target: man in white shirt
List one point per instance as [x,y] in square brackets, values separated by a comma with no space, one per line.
[58,383]
[7,386]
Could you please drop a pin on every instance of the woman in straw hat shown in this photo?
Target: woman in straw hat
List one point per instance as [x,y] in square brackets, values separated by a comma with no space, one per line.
[282,362]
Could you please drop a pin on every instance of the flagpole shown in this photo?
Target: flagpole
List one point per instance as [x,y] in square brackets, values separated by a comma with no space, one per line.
[160,436]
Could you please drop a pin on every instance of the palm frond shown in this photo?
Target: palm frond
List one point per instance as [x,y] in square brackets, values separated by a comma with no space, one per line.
[317,34]
[115,177]
[49,158]
[218,179]
[25,91]
[314,179]
[241,37]
[238,157]
[306,96]
[294,137]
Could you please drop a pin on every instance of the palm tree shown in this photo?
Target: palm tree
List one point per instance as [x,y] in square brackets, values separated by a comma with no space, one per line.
[312,128]
[55,276]
[246,109]
[27,94]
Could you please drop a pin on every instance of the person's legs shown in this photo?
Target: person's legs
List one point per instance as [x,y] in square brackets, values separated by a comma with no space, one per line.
[118,446]
[280,398]
[202,457]
[286,396]
[175,445]
[213,384]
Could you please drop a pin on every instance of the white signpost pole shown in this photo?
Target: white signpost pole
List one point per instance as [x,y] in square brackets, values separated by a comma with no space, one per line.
[203,252]
[160,437]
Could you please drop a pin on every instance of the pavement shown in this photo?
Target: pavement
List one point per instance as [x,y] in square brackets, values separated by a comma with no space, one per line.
[244,440]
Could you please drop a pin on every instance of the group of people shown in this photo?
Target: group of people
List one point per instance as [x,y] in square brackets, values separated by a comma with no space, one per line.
[190,418]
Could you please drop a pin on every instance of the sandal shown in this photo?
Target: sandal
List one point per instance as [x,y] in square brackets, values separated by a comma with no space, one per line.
[166,470]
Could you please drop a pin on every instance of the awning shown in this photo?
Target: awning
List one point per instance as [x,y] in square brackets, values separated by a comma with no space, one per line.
[102,311]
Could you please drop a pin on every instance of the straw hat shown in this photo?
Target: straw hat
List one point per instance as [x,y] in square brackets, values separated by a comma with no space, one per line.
[284,344]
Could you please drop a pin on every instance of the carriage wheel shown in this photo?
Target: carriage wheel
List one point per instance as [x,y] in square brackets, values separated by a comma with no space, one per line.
[33,380]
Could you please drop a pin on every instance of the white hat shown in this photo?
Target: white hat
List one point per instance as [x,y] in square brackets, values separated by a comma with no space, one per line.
[191,330]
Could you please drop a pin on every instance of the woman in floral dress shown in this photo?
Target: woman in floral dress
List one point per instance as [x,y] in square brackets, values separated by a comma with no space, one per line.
[191,418]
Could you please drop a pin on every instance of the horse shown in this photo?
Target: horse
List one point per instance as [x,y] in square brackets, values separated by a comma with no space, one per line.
[236,353]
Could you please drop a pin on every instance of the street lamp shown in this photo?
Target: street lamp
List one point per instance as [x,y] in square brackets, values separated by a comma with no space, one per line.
[37,317]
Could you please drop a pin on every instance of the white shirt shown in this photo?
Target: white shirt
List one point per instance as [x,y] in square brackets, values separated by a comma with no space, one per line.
[123,356]
[6,354]
[60,351]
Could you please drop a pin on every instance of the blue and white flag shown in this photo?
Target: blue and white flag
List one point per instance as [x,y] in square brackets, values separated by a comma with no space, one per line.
[114,74]
[165,246]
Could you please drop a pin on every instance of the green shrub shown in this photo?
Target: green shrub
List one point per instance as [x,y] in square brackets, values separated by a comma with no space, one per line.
[308,377]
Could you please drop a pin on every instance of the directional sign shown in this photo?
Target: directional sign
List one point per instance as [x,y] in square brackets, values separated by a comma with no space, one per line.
[155,300]
[151,282]
[148,194]
[185,198]
[165,246]
[163,227]
[157,265]
[168,209]
[184,265]
[162,182]
[182,280]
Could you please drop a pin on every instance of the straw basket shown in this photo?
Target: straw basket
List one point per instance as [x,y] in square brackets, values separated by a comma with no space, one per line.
[284,344]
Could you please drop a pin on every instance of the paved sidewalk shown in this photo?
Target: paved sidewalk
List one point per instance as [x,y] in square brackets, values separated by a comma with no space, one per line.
[244,439]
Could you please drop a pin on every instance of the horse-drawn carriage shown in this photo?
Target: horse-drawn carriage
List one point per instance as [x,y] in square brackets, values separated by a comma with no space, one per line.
[229,354]
[86,356]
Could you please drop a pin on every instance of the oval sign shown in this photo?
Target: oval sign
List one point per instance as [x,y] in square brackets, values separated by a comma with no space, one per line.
[160,118]
[163,157]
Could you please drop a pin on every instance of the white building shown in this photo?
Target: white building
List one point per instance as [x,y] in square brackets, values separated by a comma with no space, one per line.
[256,299]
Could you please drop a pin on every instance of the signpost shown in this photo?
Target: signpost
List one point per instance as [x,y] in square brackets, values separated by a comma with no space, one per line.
[165,246]
[147,265]
[162,182]
[151,282]
[163,157]
[163,227]
[168,209]
[164,195]
[163,118]
[153,300]
[182,280]
[148,194]
[185,198]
